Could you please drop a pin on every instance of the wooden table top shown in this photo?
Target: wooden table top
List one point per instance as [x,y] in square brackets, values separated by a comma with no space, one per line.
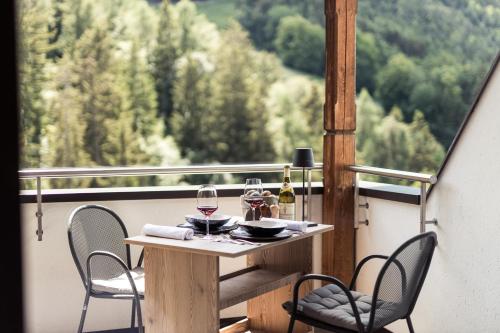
[213,248]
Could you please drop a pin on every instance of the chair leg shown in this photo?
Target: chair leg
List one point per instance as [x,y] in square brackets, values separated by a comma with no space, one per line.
[290,325]
[132,321]
[410,325]
[139,315]
[84,312]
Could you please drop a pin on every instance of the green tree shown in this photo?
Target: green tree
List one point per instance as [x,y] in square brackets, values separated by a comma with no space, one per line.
[369,60]
[295,107]
[164,57]
[369,116]
[192,105]
[96,73]
[141,94]
[274,16]
[301,44]
[77,17]
[427,154]
[187,17]
[56,29]
[66,147]
[237,118]
[253,17]
[391,147]
[33,78]
[311,105]
[440,99]
[395,83]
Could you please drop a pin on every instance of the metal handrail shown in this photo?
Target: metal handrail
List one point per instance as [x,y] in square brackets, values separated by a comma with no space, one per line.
[147,171]
[38,174]
[413,176]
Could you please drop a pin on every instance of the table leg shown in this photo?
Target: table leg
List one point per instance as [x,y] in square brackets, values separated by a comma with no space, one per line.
[265,312]
[181,292]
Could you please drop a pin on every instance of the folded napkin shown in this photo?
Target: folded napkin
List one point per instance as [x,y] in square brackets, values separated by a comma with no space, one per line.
[290,225]
[167,232]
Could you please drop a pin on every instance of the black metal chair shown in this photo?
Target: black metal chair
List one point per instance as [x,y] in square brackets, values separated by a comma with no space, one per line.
[337,308]
[95,235]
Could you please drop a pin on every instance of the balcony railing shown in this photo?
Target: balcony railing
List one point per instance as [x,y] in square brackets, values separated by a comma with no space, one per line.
[424,179]
[38,174]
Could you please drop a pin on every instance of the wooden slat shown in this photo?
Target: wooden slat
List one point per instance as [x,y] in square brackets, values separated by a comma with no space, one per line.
[252,284]
[265,312]
[181,292]
[238,272]
[339,139]
[241,326]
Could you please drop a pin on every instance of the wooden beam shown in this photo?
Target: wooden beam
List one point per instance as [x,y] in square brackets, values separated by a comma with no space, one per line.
[339,139]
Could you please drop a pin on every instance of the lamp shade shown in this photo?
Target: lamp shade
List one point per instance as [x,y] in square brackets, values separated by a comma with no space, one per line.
[303,158]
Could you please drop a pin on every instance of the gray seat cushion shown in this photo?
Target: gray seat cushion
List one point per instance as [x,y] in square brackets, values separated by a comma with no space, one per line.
[121,284]
[330,305]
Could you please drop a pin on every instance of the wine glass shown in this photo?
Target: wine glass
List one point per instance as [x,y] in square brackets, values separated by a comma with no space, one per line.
[253,194]
[207,203]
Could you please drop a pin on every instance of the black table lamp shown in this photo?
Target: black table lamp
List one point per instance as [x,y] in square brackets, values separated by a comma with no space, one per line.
[303,158]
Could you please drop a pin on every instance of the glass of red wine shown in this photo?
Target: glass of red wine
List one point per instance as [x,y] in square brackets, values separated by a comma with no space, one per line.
[253,194]
[207,203]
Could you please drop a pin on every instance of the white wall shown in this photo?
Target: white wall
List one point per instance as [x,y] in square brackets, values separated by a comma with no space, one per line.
[461,292]
[53,289]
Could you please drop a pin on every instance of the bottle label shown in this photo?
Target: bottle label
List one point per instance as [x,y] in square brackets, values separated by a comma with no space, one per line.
[287,211]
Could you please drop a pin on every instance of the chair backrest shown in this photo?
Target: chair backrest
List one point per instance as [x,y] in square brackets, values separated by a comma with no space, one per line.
[401,278]
[97,228]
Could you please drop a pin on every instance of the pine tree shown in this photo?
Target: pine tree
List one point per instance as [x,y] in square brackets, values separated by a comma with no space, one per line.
[241,124]
[56,29]
[33,49]
[427,154]
[311,106]
[186,20]
[192,93]
[77,17]
[391,146]
[66,130]
[96,72]
[369,116]
[141,94]
[164,57]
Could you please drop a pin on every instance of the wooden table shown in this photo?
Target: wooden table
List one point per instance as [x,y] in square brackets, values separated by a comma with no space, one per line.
[184,292]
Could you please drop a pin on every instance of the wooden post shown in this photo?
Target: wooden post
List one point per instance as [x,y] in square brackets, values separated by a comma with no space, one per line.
[339,138]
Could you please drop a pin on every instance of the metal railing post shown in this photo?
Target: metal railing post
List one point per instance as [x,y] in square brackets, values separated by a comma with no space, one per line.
[423,203]
[309,193]
[39,212]
[424,179]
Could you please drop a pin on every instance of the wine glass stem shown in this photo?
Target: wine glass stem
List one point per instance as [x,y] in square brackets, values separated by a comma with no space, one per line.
[208,228]
[253,213]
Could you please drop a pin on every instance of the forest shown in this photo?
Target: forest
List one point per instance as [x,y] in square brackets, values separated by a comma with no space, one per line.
[132,82]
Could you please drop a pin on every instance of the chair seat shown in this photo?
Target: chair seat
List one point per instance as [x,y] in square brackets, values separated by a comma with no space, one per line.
[121,284]
[330,305]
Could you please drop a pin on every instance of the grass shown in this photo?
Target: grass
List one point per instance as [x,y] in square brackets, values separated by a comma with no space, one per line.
[218,11]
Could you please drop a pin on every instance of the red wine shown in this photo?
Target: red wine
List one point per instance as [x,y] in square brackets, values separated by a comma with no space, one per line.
[254,201]
[207,210]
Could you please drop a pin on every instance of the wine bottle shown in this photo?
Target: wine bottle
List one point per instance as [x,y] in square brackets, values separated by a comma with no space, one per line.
[286,198]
